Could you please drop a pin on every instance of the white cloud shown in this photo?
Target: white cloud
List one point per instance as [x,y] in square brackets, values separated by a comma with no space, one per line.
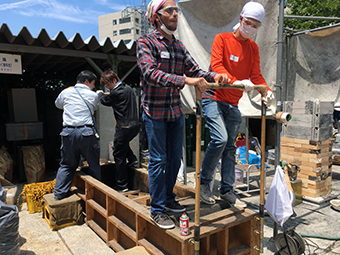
[112,6]
[53,9]
[21,4]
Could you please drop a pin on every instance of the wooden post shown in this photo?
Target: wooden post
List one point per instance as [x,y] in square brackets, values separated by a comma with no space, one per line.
[198,173]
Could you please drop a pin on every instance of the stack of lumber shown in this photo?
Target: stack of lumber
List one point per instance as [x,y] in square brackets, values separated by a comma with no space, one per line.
[307,142]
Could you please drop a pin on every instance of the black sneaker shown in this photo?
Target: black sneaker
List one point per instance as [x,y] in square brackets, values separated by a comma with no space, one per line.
[162,220]
[133,164]
[174,206]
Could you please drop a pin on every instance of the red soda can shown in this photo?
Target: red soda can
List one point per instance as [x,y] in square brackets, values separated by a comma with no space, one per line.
[184,225]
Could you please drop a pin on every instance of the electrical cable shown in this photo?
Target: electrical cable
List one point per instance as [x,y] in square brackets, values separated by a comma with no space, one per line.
[320,236]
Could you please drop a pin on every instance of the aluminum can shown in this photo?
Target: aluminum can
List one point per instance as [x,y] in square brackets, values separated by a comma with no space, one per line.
[184,225]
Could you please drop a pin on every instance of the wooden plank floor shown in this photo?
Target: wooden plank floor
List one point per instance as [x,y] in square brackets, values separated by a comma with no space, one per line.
[122,220]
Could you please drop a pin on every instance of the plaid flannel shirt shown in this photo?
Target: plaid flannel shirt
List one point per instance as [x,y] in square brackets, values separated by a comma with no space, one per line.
[163,65]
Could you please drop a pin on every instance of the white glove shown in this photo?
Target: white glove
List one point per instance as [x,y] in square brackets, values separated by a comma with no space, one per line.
[248,85]
[237,83]
[269,99]
[99,91]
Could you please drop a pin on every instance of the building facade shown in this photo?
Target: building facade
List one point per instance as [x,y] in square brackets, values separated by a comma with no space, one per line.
[125,25]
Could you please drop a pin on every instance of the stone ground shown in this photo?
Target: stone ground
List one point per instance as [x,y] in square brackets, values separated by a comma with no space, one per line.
[313,219]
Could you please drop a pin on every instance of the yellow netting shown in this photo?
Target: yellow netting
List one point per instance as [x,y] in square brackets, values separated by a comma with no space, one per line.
[37,191]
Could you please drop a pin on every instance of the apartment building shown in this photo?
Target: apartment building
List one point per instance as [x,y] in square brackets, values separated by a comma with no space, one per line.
[125,25]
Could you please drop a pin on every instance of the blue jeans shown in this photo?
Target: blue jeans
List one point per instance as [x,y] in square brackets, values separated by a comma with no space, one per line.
[76,142]
[223,121]
[165,140]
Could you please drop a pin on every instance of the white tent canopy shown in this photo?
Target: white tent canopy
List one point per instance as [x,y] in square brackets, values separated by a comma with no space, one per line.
[202,20]
[314,66]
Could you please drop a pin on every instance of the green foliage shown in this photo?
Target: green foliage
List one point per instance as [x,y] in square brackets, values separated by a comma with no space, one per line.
[324,8]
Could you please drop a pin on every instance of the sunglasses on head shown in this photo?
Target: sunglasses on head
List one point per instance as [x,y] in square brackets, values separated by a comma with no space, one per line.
[170,10]
[251,23]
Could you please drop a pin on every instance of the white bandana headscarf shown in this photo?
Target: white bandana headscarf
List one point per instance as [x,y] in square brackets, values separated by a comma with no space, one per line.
[251,10]
[153,7]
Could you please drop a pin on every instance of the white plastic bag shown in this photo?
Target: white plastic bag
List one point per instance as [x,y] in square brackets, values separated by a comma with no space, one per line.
[278,203]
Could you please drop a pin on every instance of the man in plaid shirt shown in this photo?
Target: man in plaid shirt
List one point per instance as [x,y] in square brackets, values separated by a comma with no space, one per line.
[166,66]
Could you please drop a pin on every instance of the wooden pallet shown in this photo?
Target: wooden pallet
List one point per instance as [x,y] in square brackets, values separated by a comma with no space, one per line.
[122,220]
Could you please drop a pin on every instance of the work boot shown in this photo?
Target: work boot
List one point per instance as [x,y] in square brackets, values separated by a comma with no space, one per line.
[233,199]
[205,195]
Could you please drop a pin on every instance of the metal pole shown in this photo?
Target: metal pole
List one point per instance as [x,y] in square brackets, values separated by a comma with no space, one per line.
[287,64]
[316,29]
[262,175]
[310,17]
[278,91]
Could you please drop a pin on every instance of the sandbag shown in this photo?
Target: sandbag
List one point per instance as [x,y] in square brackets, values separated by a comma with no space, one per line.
[9,229]
[6,164]
[278,204]
[34,162]
[64,211]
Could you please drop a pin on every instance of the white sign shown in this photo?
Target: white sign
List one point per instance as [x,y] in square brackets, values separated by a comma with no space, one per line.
[10,64]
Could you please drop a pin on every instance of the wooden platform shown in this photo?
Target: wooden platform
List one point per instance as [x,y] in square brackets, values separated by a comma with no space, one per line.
[122,220]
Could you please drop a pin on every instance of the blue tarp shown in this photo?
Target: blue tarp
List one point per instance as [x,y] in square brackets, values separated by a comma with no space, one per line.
[253,159]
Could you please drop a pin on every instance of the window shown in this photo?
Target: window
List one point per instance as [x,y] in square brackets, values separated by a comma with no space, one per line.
[137,20]
[114,22]
[137,31]
[125,31]
[115,33]
[124,20]
[127,41]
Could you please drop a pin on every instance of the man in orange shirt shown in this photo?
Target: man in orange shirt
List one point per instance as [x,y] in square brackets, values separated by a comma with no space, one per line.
[238,56]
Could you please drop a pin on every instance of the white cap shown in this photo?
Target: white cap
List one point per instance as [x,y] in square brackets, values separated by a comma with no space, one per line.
[252,10]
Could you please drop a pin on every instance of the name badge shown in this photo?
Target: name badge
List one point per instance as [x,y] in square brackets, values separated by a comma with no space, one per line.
[165,54]
[234,58]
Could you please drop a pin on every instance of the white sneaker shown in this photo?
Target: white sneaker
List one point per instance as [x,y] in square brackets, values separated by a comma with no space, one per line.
[205,194]
[233,199]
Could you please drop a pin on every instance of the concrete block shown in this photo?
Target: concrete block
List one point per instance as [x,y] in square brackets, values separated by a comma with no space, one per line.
[312,120]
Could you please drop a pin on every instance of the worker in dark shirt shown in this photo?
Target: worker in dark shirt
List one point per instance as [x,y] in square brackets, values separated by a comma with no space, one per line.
[122,99]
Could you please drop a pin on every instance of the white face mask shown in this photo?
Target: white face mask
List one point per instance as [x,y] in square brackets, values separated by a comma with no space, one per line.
[247,31]
[165,29]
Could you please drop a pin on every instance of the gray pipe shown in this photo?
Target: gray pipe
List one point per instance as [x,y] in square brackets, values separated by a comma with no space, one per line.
[278,126]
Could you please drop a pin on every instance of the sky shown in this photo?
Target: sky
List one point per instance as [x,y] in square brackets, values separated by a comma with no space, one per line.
[68,16]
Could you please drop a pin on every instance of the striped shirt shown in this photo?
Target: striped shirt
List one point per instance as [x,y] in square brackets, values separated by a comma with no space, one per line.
[163,66]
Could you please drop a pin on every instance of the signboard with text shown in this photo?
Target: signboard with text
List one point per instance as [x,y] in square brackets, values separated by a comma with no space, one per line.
[10,64]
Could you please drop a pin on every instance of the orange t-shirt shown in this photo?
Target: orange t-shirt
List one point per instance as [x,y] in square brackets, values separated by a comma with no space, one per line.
[240,60]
